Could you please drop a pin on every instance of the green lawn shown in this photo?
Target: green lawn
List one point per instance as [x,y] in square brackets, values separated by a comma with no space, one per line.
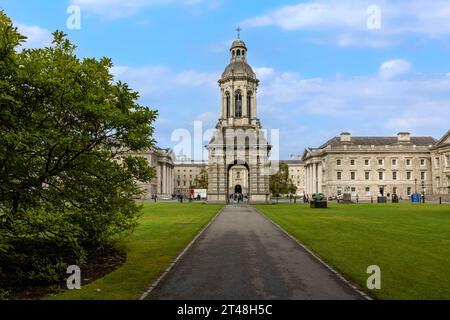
[164,231]
[410,243]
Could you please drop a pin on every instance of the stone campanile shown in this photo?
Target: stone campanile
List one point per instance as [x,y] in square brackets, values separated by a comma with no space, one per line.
[238,139]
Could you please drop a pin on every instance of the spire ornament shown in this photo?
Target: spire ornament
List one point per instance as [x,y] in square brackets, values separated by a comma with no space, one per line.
[239,32]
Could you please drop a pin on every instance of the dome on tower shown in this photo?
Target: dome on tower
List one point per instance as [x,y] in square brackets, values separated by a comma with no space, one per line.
[238,66]
[238,69]
[238,43]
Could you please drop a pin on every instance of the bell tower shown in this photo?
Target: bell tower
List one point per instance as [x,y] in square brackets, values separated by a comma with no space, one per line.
[238,139]
[238,87]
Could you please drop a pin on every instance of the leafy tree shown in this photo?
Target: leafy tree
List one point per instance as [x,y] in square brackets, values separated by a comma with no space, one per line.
[280,183]
[201,181]
[66,178]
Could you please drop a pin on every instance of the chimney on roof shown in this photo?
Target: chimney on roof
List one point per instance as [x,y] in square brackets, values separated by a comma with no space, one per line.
[346,137]
[404,137]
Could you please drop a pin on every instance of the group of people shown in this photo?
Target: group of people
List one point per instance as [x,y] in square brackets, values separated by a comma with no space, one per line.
[237,197]
[190,197]
[180,197]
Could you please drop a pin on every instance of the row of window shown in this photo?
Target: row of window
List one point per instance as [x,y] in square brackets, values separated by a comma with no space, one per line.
[367,191]
[237,53]
[437,161]
[184,176]
[381,175]
[184,184]
[394,162]
[238,104]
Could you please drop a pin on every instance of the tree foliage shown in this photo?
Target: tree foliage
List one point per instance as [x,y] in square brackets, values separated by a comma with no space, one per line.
[66,178]
[280,183]
[201,181]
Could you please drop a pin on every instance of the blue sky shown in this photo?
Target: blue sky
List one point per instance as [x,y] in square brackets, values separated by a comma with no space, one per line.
[322,70]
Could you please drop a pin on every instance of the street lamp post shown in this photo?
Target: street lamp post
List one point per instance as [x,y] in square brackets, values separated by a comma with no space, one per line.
[423,191]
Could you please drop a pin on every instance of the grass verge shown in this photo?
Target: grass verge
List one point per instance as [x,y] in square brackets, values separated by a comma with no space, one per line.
[164,231]
[409,242]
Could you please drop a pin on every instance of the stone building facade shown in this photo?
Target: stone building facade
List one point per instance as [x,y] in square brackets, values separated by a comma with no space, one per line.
[367,166]
[297,174]
[185,173]
[238,139]
[440,158]
[163,184]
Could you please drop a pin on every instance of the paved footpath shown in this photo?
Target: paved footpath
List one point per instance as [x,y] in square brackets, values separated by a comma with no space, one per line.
[242,255]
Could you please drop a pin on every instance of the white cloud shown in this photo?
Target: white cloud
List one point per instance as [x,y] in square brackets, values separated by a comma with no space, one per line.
[220,47]
[114,9]
[360,40]
[180,96]
[308,110]
[264,73]
[313,15]
[161,80]
[394,68]
[195,78]
[375,103]
[146,80]
[37,37]
[345,22]
[208,119]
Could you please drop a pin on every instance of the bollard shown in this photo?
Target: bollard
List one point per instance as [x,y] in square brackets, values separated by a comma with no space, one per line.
[371,200]
[440,200]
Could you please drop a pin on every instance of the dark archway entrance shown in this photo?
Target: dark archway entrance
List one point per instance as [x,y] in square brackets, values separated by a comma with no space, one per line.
[238,189]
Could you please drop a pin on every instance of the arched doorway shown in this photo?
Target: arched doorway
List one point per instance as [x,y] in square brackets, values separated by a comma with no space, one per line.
[238,182]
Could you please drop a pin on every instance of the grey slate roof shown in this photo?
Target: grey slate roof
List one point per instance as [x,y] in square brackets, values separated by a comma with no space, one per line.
[239,68]
[292,161]
[378,141]
[238,43]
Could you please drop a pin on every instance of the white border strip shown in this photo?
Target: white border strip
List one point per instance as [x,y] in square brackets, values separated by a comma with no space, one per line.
[175,261]
[350,284]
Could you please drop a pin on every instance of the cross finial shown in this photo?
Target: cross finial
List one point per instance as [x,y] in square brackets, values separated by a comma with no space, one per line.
[239,32]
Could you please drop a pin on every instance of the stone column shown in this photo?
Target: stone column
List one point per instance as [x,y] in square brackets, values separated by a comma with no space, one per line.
[254,104]
[232,106]
[160,180]
[170,181]
[320,177]
[163,185]
[314,180]
[224,105]
[308,179]
[244,104]
[165,178]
